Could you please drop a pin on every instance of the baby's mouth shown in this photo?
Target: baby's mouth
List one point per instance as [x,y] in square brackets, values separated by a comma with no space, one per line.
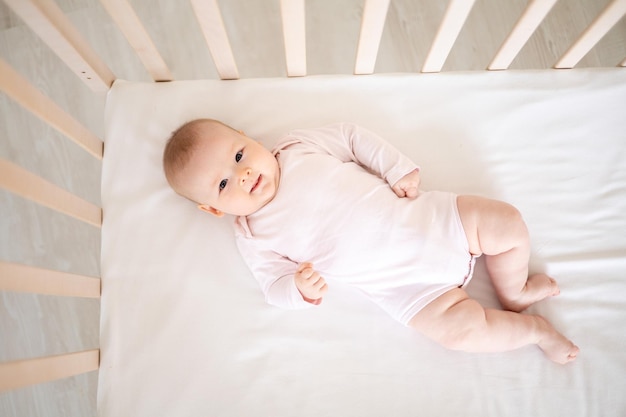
[256,184]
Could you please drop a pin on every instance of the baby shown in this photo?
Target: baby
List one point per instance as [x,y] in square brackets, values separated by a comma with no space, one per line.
[339,203]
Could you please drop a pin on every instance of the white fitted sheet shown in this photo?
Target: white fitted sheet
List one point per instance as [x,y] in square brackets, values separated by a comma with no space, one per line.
[185,330]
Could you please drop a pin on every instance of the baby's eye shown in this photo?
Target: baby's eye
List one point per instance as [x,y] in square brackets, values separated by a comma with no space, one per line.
[238,156]
[223,184]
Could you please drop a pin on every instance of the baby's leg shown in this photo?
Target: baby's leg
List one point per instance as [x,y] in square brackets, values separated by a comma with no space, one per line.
[460,323]
[497,230]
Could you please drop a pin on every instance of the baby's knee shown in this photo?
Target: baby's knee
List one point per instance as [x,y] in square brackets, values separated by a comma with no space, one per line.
[471,326]
[510,213]
[514,220]
[453,320]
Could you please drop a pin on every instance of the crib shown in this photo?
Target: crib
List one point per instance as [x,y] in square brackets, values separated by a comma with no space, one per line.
[180,344]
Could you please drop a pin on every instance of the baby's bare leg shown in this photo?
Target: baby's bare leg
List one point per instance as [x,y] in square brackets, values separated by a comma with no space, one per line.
[497,230]
[460,323]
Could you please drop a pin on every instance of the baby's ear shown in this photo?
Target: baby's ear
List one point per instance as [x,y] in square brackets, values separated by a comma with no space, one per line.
[212,210]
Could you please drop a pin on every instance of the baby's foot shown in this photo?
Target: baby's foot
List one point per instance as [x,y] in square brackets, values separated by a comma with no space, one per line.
[556,346]
[538,287]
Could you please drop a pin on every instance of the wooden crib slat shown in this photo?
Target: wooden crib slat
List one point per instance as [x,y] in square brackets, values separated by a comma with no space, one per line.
[533,15]
[28,185]
[613,12]
[22,91]
[48,21]
[449,29]
[21,373]
[372,25]
[212,25]
[127,20]
[294,33]
[25,278]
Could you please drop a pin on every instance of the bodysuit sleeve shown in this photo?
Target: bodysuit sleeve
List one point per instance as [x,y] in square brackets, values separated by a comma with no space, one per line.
[349,142]
[274,273]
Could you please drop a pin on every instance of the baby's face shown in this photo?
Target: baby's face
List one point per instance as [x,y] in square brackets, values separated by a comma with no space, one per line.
[231,173]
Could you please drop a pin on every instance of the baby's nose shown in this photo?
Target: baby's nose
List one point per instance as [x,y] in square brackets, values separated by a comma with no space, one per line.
[244,174]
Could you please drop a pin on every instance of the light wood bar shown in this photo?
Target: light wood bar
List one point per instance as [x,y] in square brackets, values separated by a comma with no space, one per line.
[25,278]
[294,34]
[533,15]
[212,25]
[21,373]
[47,20]
[613,12]
[372,26]
[28,185]
[29,97]
[449,29]
[128,22]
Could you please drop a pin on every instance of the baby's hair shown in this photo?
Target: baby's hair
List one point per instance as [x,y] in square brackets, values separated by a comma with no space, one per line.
[180,147]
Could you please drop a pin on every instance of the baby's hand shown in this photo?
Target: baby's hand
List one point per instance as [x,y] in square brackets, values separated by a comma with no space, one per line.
[310,284]
[408,185]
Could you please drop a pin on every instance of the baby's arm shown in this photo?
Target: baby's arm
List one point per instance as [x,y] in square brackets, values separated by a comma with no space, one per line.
[310,283]
[276,275]
[349,142]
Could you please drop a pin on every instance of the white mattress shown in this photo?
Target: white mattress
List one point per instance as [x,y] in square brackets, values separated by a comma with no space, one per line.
[185,330]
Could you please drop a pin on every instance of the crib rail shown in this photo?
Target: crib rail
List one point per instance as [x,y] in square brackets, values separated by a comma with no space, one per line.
[17,374]
[372,26]
[451,25]
[26,184]
[52,26]
[212,25]
[23,92]
[47,20]
[293,20]
[528,22]
[600,26]
[24,278]
[130,25]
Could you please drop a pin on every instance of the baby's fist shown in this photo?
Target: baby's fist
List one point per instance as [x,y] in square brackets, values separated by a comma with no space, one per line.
[408,186]
[310,283]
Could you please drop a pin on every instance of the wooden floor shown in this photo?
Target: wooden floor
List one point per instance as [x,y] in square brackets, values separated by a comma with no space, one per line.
[32,325]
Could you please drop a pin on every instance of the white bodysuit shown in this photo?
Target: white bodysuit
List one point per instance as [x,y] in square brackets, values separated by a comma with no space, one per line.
[335,208]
